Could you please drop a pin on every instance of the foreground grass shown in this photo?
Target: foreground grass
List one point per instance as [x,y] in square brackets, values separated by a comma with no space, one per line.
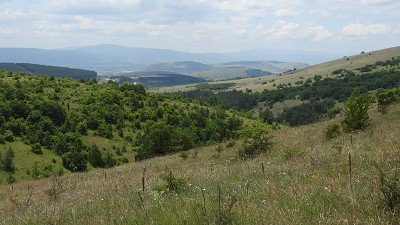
[305,181]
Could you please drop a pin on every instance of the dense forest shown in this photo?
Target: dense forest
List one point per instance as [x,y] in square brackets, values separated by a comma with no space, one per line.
[73,117]
[48,70]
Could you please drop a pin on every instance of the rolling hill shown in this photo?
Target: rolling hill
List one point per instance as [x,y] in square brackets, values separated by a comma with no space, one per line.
[324,69]
[113,58]
[48,70]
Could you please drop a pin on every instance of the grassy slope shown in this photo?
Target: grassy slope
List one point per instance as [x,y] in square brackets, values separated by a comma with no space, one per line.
[306,181]
[256,84]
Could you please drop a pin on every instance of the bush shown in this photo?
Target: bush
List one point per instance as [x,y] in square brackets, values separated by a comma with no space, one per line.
[75,161]
[172,184]
[385,99]
[292,153]
[332,131]
[8,164]
[356,111]
[11,179]
[37,149]
[2,139]
[231,144]
[256,139]
[9,136]
[184,155]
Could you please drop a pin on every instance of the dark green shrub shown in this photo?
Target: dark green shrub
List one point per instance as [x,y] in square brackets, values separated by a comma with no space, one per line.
[385,99]
[172,184]
[37,149]
[11,179]
[8,164]
[332,131]
[75,161]
[109,160]
[36,173]
[356,111]
[256,139]
[9,136]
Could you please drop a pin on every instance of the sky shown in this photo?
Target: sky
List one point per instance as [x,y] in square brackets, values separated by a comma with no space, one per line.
[336,26]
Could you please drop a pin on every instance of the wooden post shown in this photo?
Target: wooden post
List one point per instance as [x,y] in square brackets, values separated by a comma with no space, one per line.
[219,202]
[204,201]
[263,168]
[141,199]
[143,185]
[350,171]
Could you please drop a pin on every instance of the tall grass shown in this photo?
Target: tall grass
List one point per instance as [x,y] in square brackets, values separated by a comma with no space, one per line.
[303,180]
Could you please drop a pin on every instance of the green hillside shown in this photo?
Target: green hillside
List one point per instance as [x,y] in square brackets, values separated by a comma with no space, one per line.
[68,125]
[48,70]
[303,179]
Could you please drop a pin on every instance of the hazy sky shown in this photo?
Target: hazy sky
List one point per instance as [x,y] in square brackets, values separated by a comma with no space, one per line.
[203,25]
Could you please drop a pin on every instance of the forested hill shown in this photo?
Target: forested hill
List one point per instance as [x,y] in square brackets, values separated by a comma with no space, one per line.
[57,124]
[48,70]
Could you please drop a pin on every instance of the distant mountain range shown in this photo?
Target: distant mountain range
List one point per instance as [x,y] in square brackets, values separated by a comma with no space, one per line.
[113,58]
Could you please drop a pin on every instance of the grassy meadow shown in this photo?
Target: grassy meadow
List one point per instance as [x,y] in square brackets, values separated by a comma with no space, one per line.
[304,179]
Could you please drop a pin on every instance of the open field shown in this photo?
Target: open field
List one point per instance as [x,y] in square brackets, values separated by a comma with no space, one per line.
[324,69]
[305,180]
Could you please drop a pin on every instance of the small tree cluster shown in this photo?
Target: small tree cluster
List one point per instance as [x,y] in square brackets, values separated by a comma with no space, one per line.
[356,111]
[256,139]
[385,99]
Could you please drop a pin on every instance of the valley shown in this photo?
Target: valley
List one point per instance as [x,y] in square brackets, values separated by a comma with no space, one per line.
[74,148]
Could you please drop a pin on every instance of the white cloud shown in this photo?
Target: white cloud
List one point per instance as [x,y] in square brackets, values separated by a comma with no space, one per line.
[362,30]
[7,31]
[242,6]
[198,25]
[378,2]
[296,30]
[285,12]
[319,33]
